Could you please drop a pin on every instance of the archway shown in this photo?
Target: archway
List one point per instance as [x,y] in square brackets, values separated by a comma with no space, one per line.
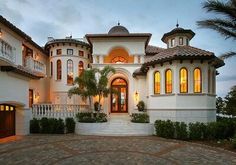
[119,96]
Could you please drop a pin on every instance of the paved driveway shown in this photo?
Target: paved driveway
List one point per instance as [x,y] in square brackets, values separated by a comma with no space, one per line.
[74,149]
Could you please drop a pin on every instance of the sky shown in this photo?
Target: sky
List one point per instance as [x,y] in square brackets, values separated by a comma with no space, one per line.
[60,18]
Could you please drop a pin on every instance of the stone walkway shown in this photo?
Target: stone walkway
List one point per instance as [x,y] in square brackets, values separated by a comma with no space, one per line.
[74,149]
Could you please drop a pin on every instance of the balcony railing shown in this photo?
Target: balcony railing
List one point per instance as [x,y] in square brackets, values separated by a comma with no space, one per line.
[57,110]
[35,65]
[7,52]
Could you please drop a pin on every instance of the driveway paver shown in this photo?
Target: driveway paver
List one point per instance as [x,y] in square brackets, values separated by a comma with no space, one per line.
[75,149]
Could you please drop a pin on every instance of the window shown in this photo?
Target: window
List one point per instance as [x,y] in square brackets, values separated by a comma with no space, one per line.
[213,82]
[181,41]
[183,80]
[51,53]
[58,69]
[51,69]
[59,52]
[81,53]
[168,81]
[197,80]
[81,67]
[172,42]
[69,72]
[157,82]
[187,41]
[69,51]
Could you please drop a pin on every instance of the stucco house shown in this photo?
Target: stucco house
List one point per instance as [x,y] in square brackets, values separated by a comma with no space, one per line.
[176,82]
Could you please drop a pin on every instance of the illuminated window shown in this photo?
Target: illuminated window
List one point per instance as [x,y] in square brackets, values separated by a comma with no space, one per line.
[119,60]
[51,69]
[168,81]
[58,69]
[197,80]
[157,83]
[183,81]
[69,72]
[81,67]
[81,53]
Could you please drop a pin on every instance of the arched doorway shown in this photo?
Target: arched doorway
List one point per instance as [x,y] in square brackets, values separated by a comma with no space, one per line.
[119,96]
[7,120]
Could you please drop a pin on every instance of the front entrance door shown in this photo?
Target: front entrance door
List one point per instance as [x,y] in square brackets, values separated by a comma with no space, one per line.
[119,96]
[7,120]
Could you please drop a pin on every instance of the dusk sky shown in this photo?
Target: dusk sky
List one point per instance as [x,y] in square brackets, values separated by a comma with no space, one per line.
[42,18]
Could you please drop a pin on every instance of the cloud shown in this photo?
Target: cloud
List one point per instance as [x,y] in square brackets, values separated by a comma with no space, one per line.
[226,78]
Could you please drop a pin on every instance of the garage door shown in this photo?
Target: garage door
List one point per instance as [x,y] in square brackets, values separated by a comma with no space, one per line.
[7,120]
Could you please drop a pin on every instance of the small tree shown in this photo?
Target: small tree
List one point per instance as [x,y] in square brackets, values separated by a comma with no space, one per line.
[230,101]
[220,104]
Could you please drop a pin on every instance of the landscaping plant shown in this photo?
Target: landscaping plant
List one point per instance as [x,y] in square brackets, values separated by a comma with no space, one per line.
[70,125]
[140,118]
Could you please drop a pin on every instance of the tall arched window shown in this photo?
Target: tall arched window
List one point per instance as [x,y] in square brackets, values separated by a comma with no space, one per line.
[168,81]
[58,69]
[183,80]
[197,80]
[70,72]
[81,67]
[51,69]
[157,82]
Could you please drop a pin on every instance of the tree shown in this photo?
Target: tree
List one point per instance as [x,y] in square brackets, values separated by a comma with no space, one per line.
[85,86]
[230,101]
[102,89]
[225,23]
[220,104]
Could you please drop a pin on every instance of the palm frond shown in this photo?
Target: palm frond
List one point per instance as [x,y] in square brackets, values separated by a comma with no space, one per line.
[227,55]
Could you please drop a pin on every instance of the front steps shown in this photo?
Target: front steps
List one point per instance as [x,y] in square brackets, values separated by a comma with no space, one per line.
[117,125]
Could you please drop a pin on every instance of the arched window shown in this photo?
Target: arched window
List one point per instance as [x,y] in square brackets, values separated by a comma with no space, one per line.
[168,81]
[197,80]
[183,80]
[157,82]
[51,69]
[70,72]
[58,69]
[81,67]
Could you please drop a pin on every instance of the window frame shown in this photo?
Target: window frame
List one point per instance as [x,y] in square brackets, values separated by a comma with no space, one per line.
[172,42]
[154,84]
[72,70]
[194,83]
[182,41]
[186,80]
[166,81]
[81,53]
[59,51]
[59,70]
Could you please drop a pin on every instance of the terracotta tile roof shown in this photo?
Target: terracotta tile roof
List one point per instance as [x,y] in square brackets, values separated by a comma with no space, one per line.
[15,29]
[152,50]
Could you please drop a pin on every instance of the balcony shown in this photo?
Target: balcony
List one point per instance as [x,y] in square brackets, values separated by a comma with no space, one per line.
[7,54]
[57,110]
[35,65]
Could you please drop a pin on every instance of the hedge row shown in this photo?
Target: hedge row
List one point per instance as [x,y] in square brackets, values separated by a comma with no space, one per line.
[222,129]
[140,118]
[88,117]
[52,126]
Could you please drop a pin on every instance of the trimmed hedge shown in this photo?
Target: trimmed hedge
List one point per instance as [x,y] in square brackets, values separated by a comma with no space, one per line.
[222,129]
[70,125]
[140,118]
[87,117]
[34,126]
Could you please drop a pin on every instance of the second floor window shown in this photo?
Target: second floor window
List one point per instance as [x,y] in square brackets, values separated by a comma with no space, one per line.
[51,69]
[59,52]
[69,51]
[58,69]
[172,42]
[81,53]
[181,41]
[168,81]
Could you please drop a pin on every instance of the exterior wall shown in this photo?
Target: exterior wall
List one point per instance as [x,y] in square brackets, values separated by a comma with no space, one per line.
[59,88]
[178,106]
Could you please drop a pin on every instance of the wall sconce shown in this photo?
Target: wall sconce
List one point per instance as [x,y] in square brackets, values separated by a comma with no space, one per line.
[36,96]
[136,95]
[0,32]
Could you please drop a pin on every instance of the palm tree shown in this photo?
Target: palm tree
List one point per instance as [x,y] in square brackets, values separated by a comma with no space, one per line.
[85,86]
[102,81]
[225,24]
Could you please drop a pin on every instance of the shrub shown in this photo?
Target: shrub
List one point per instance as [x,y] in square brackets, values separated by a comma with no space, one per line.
[34,126]
[44,125]
[211,130]
[181,130]
[141,105]
[60,126]
[140,118]
[165,129]
[52,124]
[195,131]
[70,125]
[101,117]
[86,117]
[234,142]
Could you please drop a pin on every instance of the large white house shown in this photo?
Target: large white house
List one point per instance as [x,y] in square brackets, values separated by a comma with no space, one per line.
[176,82]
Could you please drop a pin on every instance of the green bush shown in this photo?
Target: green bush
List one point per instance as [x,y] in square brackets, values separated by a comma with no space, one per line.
[196,131]
[211,131]
[181,130]
[70,125]
[165,129]
[44,125]
[34,126]
[52,124]
[140,118]
[234,142]
[60,127]
[141,105]
[86,117]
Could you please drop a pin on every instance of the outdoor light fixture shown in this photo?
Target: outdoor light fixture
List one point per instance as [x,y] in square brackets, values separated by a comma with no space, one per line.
[136,95]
